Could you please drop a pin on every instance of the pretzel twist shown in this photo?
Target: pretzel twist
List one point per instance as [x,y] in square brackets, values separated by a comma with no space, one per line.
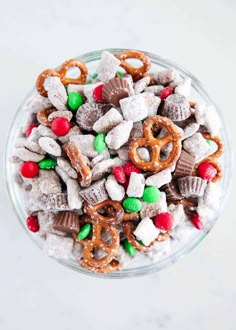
[61,73]
[156,144]
[114,265]
[42,117]
[109,218]
[212,158]
[133,71]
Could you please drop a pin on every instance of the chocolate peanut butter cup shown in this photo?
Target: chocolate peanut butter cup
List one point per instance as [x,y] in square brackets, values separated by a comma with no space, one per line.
[67,222]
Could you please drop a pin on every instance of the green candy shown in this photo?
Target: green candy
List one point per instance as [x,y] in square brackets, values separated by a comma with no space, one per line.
[99,142]
[95,75]
[151,194]
[129,248]
[120,74]
[132,204]
[209,142]
[84,231]
[74,100]
[47,163]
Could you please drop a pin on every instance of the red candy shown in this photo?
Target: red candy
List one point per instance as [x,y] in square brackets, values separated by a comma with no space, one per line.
[29,169]
[29,129]
[97,94]
[119,174]
[196,221]
[126,184]
[166,92]
[164,221]
[129,168]
[206,171]
[60,126]
[32,224]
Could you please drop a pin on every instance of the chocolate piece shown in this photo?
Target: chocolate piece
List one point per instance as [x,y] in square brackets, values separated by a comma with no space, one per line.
[114,90]
[152,209]
[87,115]
[96,193]
[67,222]
[176,108]
[172,192]
[185,165]
[192,186]
[55,202]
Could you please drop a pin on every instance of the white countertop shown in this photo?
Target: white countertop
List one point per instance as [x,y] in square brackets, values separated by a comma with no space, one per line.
[197,293]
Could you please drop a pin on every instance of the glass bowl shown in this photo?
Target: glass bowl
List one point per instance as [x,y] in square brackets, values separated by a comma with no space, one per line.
[143,266]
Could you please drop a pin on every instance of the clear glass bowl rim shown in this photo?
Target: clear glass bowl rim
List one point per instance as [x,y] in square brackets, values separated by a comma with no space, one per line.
[159,265]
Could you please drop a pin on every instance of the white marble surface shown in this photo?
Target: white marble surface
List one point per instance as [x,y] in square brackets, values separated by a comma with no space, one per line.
[199,292]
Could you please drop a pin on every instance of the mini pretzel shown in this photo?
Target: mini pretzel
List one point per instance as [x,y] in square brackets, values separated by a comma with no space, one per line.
[135,72]
[41,78]
[114,219]
[42,117]
[129,228]
[96,242]
[114,265]
[212,158]
[61,73]
[155,164]
[69,64]
[79,163]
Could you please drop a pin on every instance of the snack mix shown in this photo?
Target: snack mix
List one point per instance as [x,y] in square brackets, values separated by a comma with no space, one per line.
[117,164]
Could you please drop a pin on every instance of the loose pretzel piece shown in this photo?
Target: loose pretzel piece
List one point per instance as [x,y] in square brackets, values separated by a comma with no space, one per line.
[131,54]
[155,164]
[111,249]
[41,78]
[81,79]
[78,162]
[212,158]
[42,117]
[114,265]
[61,73]
[93,212]
[129,228]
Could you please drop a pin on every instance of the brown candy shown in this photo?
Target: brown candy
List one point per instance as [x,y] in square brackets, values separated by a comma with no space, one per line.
[192,186]
[176,107]
[96,193]
[87,115]
[185,164]
[172,192]
[67,222]
[114,90]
